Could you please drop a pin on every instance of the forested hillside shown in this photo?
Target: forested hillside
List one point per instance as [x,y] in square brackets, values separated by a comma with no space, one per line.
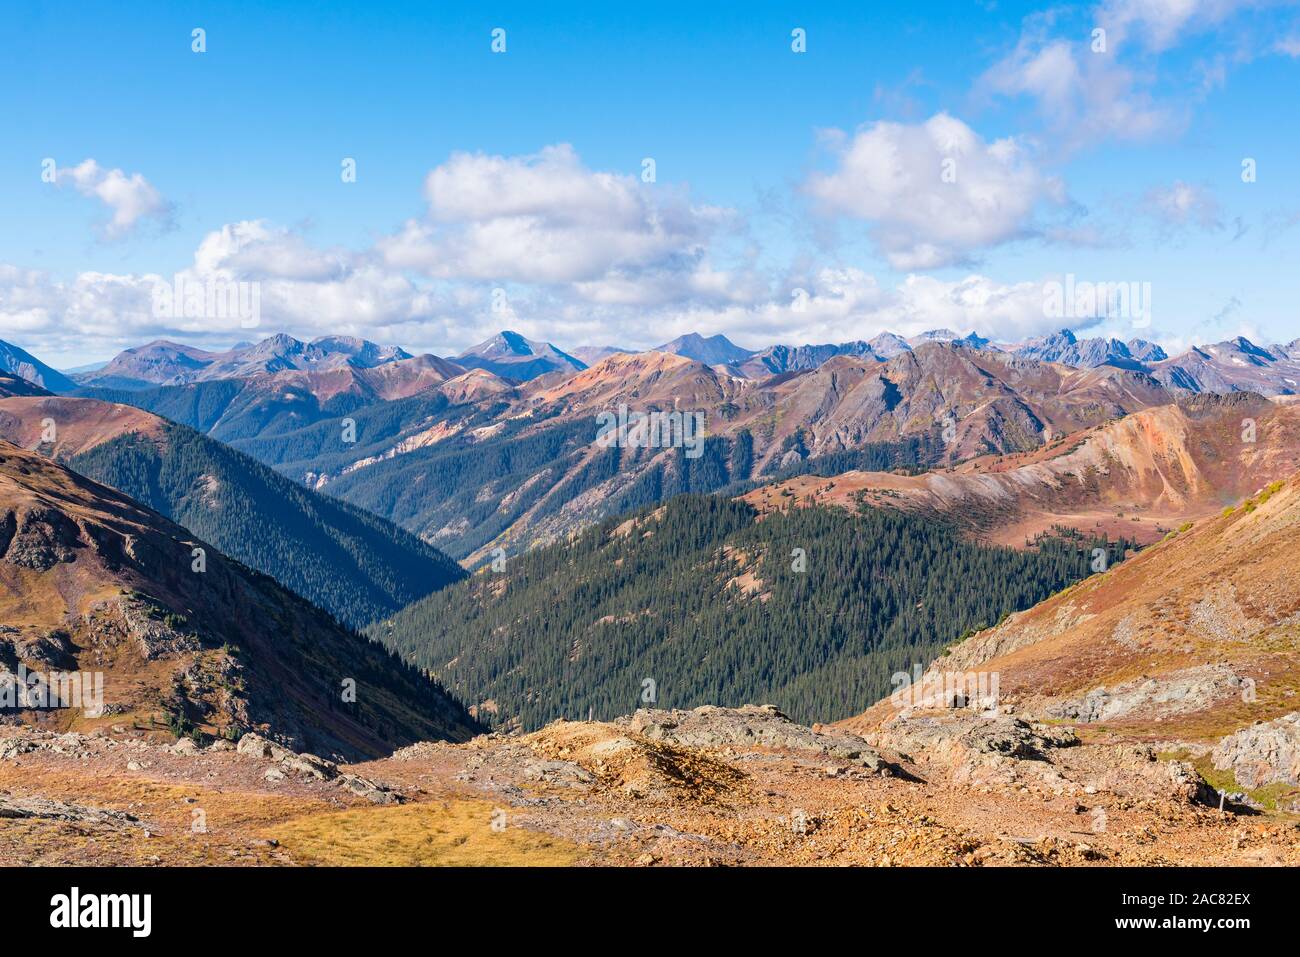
[92,581]
[356,566]
[232,409]
[812,610]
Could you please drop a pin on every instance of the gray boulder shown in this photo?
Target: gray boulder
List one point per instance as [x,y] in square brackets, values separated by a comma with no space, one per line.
[1262,754]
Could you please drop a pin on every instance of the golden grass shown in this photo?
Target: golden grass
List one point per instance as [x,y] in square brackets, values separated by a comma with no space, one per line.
[454,833]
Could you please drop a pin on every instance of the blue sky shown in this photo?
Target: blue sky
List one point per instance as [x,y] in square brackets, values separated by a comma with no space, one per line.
[797,196]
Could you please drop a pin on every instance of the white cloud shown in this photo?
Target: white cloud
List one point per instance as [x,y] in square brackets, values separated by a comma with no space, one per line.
[96,314]
[129,198]
[254,249]
[1088,91]
[302,291]
[974,303]
[1159,24]
[545,218]
[935,193]
[841,304]
[1084,97]
[594,258]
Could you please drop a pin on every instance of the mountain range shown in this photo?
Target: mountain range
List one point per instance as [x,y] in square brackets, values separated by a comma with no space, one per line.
[1194,636]
[408,464]
[1104,528]
[1139,476]
[170,363]
[17,362]
[473,461]
[1233,365]
[1090,353]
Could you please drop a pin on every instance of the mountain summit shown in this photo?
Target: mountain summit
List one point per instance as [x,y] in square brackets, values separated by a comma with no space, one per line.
[512,356]
[1066,348]
[715,350]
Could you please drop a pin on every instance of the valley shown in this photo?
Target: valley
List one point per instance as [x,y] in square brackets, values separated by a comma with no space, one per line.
[404,453]
[349,562]
[453,627]
[187,641]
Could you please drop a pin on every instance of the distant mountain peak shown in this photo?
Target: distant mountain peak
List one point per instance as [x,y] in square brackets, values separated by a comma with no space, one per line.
[280,342]
[1248,347]
[163,362]
[507,342]
[935,335]
[1145,351]
[974,340]
[711,350]
[888,344]
[511,355]
[26,366]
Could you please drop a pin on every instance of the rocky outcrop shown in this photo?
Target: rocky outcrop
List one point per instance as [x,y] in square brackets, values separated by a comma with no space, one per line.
[70,743]
[38,538]
[288,762]
[1181,692]
[952,737]
[13,806]
[154,630]
[751,725]
[1262,754]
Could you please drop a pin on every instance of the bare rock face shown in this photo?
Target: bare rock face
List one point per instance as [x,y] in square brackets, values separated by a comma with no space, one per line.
[70,743]
[751,725]
[158,635]
[1188,786]
[38,538]
[12,806]
[258,746]
[306,766]
[52,650]
[1263,753]
[954,735]
[1182,692]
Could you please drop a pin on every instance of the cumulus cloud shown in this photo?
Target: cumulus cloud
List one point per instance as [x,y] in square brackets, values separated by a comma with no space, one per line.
[546,218]
[841,304]
[96,314]
[851,304]
[129,199]
[1083,96]
[565,241]
[254,249]
[589,257]
[934,193]
[302,290]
